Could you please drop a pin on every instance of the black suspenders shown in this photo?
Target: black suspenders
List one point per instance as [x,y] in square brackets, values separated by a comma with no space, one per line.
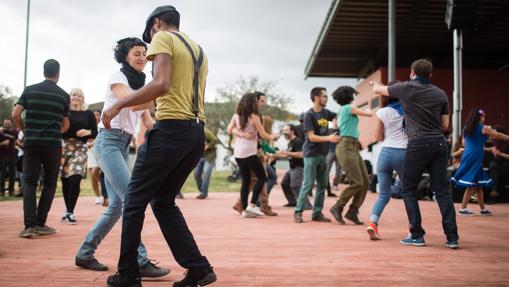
[196,78]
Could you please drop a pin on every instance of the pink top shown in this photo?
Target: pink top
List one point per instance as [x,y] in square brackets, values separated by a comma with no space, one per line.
[243,147]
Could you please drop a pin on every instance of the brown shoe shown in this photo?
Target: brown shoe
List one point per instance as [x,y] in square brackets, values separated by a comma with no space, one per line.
[351,215]
[238,206]
[297,217]
[336,211]
[268,211]
[320,218]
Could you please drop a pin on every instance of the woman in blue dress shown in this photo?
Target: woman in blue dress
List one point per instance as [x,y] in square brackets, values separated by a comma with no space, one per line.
[470,174]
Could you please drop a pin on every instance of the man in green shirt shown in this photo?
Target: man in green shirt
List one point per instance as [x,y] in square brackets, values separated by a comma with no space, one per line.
[206,164]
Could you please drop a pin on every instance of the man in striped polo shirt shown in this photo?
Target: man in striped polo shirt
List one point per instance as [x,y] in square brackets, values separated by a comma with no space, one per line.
[46,108]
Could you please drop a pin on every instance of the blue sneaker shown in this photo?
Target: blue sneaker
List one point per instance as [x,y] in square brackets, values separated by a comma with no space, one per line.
[453,244]
[414,242]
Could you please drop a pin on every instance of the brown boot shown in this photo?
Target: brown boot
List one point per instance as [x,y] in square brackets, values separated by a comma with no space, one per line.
[267,210]
[352,215]
[337,211]
[238,206]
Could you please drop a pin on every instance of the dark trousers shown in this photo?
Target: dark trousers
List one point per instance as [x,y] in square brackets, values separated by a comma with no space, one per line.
[246,165]
[287,189]
[164,161]
[8,170]
[104,193]
[428,154]
[71,191]
[34,157]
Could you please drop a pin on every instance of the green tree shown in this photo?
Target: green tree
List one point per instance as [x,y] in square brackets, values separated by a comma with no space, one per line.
[220,111]
[7,101]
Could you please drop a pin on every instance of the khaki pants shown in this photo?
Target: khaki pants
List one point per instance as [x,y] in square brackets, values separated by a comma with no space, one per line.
[347,151]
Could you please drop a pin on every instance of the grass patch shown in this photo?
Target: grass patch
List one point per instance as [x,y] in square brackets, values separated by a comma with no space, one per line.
[218,183]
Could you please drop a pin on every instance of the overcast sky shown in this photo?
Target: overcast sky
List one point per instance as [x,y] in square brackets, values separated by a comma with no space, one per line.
[269,39]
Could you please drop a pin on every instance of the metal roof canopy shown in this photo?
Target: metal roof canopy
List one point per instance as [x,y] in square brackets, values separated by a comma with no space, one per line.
[354,38]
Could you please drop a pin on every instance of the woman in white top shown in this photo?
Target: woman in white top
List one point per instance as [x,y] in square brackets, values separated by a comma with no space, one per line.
[246,124]
[111,150]
[390,130]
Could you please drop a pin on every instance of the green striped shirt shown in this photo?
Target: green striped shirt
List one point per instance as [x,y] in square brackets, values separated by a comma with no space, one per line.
[45,104]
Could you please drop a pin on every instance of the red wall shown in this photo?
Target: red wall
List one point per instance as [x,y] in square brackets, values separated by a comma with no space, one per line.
[481,88]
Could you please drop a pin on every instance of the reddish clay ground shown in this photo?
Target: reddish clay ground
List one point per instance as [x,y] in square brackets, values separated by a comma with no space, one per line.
[270,251]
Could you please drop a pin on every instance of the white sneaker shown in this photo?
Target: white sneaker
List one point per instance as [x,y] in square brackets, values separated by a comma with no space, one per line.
[255,210]
[247,214]
[70,218]
[98,200]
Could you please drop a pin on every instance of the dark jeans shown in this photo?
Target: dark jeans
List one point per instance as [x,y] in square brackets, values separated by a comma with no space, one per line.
[8,163]
[164,161]
[34,157]
[246,165]
[71,191]
[271,177]
[428,154]
[287,190]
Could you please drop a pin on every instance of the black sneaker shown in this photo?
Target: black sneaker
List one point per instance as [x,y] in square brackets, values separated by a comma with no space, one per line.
[290,205]
[119,281]
[91,264]
[453,244]
[69,218]
[151,270]
[195,277]
[486,212]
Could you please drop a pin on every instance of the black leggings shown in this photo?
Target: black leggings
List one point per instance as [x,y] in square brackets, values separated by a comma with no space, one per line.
[104,193]
[71,191]
[246,165]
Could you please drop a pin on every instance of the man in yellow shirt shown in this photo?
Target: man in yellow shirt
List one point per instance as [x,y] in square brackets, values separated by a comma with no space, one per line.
[173,148]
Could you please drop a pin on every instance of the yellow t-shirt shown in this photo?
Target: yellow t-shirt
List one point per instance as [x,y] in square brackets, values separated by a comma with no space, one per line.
[177,102]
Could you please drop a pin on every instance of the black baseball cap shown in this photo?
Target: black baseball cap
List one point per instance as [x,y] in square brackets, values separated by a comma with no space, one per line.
[156,13]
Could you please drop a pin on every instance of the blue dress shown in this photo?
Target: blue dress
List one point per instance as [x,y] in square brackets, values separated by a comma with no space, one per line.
[470,172]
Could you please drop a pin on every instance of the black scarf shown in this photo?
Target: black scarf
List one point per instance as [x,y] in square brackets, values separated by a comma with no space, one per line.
[136,79]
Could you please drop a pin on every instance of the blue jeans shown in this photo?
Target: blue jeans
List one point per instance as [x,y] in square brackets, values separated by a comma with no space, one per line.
[314,168]
[390,160]
[111,150]
[202,174]
[271,177]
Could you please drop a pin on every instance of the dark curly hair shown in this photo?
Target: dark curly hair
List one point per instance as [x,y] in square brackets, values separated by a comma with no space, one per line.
[344,95]
[474,117]
[124,46]
[246,107]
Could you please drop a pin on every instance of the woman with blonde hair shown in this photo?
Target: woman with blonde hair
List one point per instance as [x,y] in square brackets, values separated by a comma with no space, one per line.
[83,126]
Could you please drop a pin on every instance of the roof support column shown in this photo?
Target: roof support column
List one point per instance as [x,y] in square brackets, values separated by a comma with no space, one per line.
[458,83]
[392,42]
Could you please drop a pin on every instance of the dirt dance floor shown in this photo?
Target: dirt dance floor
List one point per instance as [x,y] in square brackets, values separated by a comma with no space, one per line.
[271,251]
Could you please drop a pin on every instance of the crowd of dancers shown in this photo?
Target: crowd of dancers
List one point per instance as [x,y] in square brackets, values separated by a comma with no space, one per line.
[58,134]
